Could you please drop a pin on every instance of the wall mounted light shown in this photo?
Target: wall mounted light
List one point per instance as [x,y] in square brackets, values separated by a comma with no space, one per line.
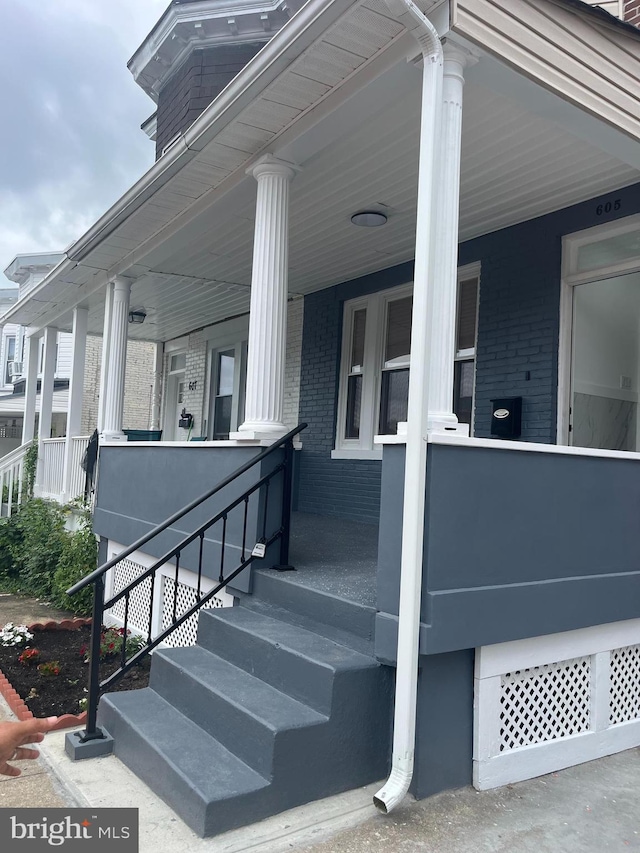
[137,317]
[369,219]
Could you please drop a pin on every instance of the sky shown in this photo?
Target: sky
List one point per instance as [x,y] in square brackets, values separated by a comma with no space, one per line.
[70,115]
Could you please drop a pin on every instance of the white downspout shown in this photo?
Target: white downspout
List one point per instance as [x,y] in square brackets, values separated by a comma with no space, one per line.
[397,785]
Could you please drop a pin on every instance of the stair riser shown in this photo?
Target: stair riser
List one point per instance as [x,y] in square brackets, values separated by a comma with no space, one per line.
[328,609]
[301,677]
[234,727]
[148,763]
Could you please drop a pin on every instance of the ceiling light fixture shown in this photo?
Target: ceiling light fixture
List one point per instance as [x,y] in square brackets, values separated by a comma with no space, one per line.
[369,219]
[137,317]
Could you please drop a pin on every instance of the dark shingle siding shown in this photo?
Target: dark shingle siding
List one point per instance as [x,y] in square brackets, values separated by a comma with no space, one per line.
[195,84]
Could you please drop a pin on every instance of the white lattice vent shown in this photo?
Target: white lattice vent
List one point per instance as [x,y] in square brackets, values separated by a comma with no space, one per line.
[125,572]
[186,597]
[624,695]
[544,703]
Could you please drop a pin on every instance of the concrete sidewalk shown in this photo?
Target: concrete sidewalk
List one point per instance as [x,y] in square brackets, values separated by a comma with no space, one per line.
[592,808]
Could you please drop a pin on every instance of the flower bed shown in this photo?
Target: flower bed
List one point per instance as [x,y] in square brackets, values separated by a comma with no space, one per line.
[45,673]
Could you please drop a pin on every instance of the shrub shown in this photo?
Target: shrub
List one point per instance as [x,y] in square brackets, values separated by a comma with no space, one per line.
[51,667]
[40,524]
[10,539]
[14,635]
[29,656]
[77,558]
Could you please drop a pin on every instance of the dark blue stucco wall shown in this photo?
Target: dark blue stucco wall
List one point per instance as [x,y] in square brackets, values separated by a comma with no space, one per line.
[517,349]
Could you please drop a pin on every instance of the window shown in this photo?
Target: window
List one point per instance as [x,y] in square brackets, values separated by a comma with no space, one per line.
[10,355]
[228,367]
[376,357]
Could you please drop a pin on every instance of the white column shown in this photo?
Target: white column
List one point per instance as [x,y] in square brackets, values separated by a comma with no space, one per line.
[104,360]
[46,384]
[76,394]
[264,400]
[156,391]
[445,257]
[31,388]
[117,363]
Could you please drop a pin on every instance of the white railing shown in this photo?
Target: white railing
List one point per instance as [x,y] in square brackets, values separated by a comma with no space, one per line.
[12,479]
[51,468]
[78,475]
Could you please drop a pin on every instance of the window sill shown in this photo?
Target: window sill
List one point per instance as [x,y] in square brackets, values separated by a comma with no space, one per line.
[357,453]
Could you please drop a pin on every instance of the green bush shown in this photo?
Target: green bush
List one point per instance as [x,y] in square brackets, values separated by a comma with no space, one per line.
[10,537]
[78,557]
[38,546]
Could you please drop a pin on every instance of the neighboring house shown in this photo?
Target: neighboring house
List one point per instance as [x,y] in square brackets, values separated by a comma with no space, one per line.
[28,270]
[452,307]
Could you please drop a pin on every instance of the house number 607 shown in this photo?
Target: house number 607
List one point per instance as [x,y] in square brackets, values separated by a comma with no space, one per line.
[608,207]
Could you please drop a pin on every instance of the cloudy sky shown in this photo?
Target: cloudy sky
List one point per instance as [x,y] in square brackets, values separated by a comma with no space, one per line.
[70,113]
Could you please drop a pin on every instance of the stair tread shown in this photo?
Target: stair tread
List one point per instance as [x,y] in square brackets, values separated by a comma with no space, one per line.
[273,707]
[293,638]
[338,635]
[208,766]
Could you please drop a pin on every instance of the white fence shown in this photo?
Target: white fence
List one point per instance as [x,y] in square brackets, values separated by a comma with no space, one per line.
[12,479]
[547,703]
[50,478]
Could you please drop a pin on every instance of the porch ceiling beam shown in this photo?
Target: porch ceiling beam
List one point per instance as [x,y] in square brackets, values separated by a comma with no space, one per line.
[496,76]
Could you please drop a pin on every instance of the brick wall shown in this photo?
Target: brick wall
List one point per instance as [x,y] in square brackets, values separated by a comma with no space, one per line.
[200,79]
[632,12]
[138,385]
[295,315]
[517,352]
[195,382]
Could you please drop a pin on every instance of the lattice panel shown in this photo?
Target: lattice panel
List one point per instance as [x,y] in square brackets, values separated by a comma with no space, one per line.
[139,599]
[186,634]
[545,703]
[624,695]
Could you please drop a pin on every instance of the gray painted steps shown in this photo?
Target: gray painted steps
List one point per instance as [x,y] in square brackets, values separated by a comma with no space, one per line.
[290,658]
[288,590]
[186,767]
[284,715]
[244,713]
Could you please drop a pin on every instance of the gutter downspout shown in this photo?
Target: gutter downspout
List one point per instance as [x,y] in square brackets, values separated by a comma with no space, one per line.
[404,729]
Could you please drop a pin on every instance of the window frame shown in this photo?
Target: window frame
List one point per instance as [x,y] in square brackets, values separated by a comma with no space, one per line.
[376,305]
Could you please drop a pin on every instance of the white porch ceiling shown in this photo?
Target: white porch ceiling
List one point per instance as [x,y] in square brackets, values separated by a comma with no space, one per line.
[515,166]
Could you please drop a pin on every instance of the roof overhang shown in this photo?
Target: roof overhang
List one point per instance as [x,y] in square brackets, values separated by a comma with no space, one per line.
[204,23]
[295,88]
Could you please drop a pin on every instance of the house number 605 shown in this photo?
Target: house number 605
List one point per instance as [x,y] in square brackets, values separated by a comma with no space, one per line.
[608,207]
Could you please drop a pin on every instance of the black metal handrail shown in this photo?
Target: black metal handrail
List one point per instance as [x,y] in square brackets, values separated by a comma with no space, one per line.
[247,556]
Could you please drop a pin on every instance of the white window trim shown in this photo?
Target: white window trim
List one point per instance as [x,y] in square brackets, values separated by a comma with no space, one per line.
[376,305]
[239,380]
[367,445]
[571,244]
[466,272]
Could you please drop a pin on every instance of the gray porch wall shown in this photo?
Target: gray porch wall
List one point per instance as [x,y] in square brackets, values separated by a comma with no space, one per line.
[140,487]
[517,348]
[517,545]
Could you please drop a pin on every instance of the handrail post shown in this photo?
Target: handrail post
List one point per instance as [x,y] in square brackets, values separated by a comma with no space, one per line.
[287,490]
[92,732]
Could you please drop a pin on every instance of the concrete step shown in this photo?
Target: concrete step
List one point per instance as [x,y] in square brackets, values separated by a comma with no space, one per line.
[287,590]
[209,787]
[290,658]
[263,726]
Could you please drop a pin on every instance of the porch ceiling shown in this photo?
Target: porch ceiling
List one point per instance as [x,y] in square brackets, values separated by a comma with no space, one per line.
[515,166]
[347,110]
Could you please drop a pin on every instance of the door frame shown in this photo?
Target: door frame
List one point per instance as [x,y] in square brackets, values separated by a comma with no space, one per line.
[570,278]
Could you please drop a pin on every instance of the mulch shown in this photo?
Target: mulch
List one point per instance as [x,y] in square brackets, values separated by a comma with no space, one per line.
[56,695]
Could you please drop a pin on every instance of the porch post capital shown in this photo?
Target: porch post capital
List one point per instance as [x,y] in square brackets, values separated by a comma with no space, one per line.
[269,165]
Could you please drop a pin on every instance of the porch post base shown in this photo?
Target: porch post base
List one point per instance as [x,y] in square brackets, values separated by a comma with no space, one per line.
[77,750]
[448,427]
[114,435]
[283,568]
[264,433]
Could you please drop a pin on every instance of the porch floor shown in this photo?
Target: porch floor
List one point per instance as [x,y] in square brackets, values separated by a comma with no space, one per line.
[334,555]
